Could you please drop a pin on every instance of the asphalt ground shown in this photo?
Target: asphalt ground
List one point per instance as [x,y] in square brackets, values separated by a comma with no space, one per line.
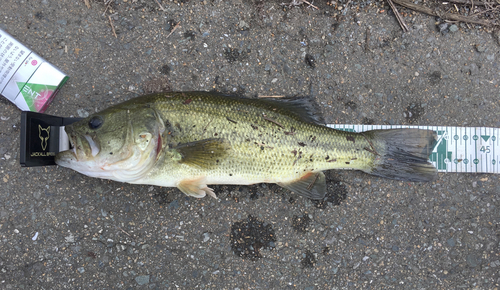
[62,230]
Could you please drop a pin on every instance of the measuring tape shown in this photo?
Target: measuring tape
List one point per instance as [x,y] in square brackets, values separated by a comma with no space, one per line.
[458,149]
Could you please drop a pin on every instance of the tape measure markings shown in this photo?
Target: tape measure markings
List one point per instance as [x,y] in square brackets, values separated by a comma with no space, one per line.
[458,149]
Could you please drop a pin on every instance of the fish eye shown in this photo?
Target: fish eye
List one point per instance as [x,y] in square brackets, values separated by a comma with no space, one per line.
[95,122]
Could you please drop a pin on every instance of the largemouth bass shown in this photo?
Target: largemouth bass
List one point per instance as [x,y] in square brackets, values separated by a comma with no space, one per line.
[193,139]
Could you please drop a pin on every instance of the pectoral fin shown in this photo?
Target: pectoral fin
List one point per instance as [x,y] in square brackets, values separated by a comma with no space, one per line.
[195,187]
[204,153]
[312,185]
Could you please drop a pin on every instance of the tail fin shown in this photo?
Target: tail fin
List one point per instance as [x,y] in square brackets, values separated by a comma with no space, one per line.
[403,154]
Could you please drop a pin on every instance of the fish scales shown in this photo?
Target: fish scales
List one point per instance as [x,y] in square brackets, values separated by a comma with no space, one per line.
[189,140]
[267,145]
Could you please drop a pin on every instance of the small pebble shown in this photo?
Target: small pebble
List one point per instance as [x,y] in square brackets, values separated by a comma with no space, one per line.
[69,239]
[206,237]
[243,25]
[473,260]
[443,28]
[142,280]
[480,48]
[82,113]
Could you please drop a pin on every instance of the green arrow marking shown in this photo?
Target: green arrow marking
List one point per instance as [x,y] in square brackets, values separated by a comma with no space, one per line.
[440,156]
[485,138]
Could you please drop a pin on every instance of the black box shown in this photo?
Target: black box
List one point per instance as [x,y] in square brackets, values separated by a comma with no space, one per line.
[42,137]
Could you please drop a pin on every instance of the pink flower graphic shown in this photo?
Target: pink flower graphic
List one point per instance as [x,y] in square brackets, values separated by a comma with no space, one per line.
[42,100]
[34,62]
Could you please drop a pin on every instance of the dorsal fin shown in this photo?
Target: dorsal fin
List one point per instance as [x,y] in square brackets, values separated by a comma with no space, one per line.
[302,107]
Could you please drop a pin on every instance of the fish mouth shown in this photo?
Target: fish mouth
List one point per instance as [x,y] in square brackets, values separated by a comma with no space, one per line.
[82,155]
[94,147]
[81,147]
[67,157]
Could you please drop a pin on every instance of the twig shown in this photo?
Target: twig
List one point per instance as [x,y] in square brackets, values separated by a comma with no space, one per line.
[112,26]
[398,16]
[107,3]
[367,40]
[346,6]
[481,12]
[477,3]
[173,29]
[87,3]
[315,7]
[299,2]
[448,16]
[125,232]
[161,7]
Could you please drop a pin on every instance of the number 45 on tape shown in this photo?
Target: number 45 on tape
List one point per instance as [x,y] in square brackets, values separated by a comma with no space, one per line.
[458,149]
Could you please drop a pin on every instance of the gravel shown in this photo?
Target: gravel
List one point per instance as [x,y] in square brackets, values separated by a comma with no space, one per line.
[99,234]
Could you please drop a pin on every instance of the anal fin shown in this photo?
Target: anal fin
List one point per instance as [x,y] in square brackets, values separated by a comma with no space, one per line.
[195,187]
[311,185]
